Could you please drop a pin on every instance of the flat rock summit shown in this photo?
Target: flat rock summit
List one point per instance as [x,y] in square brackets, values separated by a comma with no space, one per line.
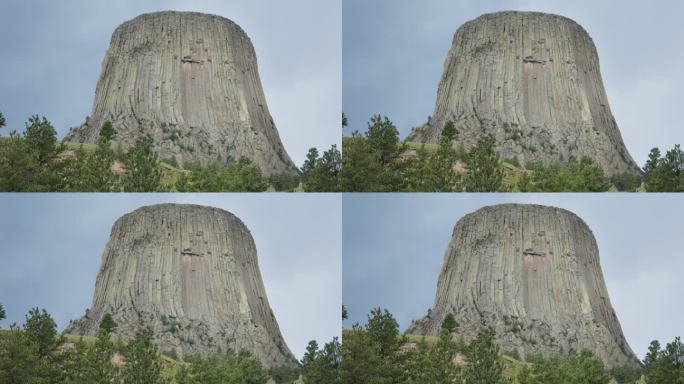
[532,273]
[190,82]
[532,81]
[190,274]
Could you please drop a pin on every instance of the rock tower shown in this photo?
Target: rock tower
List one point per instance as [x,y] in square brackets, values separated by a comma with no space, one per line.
[532,81]
[190,82]
[532,273]
[190,274]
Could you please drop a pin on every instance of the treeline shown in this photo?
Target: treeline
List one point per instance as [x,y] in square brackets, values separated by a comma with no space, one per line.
[373,161]
[35,161]
[377,160]
[377,353]
[36,353]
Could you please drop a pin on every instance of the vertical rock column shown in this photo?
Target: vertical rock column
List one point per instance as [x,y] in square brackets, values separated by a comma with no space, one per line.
[532,273]
[189,273]
[532,81]
[190,82]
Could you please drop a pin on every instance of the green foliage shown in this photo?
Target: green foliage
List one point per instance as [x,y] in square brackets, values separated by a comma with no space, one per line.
[2,313]
[92,171]
[41,331]
[284,182]
[666,365]
[484,364]
[325,367]
[322,174]
[238,176]
[3,122]
[142,168]
[626,182]
[626,374]
[41,137]
[449,324]
[309,355]
[434,171]
[345,314]
[107,324]
[239,368]
[383,330]
[666,173]
[283,374]
[107,132]
[142,365]
[574,176]
[485,171]
[19,359]
[582,368]
[370,352]
[382,138]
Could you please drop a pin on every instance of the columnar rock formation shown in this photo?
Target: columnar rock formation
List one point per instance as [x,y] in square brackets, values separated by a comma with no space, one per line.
[190,82]
[190,274]
[532,273]
[532,81]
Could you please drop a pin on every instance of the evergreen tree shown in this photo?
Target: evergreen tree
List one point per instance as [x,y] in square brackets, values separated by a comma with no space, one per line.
[2,313]
[309,355]
[484,364]
[41,331]
[325,174]
[383,138]
[142,168]
[19,359]
[142,365]
[485,172]
[449,324]
[383,330]
[3,122]
[309,163]
[98,367]
[102,179]
[107,324]
[325,368]
[41,139]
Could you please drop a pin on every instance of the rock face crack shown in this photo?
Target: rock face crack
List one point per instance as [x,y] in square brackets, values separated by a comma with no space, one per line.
[532,81]
[190,82]
[189,273]
[552,300]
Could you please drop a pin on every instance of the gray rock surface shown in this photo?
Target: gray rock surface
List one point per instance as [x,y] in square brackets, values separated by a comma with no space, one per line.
[532,273]
[533,82]
[189,273]
[190,81]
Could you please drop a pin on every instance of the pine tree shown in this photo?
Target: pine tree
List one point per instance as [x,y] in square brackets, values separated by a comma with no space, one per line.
[484,364]
[485,172]
[142,168]
[142,364]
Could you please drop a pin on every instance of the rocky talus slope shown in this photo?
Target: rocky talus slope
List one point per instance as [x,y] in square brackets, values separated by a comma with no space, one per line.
[190,82]
[532,81]
[190,274]
[532,273]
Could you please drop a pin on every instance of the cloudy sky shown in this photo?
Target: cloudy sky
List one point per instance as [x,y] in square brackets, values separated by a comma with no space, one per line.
[394,246]
[52,245]
[394,51]
[52,52]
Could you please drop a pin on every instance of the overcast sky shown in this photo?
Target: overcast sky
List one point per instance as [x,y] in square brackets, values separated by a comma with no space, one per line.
[52,245]
[52,52]
[394,246]
[394,53]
